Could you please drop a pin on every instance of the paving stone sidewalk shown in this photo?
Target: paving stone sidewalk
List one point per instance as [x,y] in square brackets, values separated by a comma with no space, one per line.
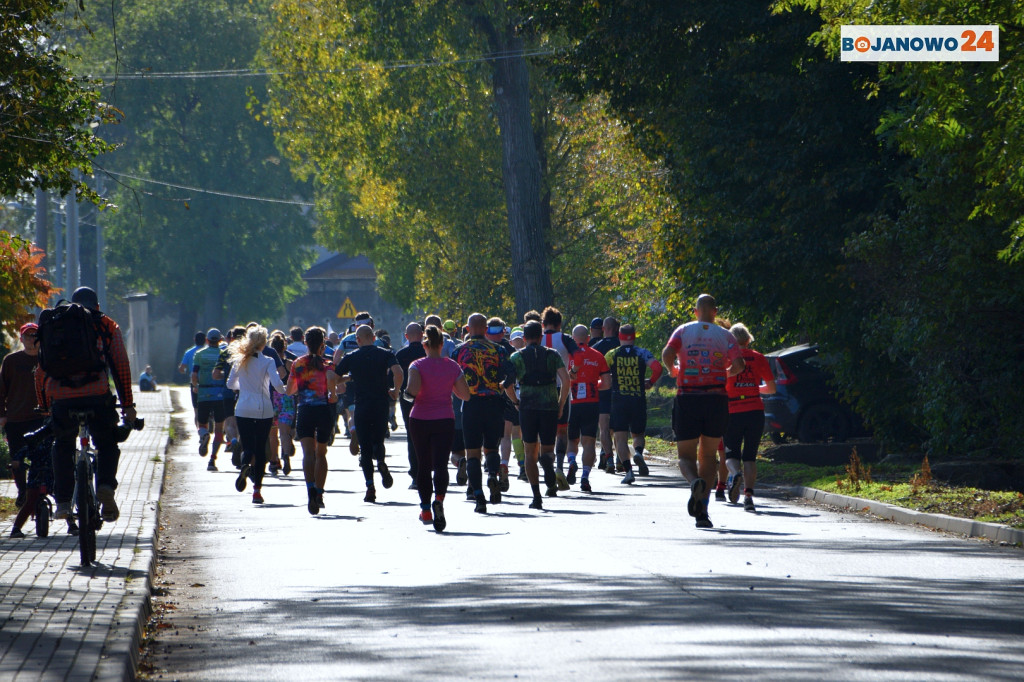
[61,622]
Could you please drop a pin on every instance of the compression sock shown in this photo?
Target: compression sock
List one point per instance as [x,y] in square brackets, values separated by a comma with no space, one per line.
[586,471]
[547,462]
[572,458]
[218,440]
[203,431]
[493,460]
[560,460]
[366,464]
[473,469]
[519,449]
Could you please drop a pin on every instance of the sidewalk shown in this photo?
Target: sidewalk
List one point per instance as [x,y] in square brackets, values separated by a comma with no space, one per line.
[59,622]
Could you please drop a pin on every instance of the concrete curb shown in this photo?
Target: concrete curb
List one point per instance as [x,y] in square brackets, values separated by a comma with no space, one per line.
[952,524]
[120,657]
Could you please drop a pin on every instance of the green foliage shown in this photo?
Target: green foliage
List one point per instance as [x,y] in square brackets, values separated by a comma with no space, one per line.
[410,172]
[225,259]
[857,206]
[46,112]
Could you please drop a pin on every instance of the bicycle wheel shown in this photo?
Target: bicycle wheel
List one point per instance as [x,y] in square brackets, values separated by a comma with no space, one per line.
[86,512]
[42,517]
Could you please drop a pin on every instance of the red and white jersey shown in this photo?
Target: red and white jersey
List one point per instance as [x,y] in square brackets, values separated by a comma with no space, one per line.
[589,365]
[705,352]
[745,388]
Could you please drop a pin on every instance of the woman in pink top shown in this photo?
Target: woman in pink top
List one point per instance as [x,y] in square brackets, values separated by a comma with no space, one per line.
[432,381]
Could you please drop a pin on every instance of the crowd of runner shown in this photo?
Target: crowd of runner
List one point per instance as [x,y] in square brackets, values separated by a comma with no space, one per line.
[477,396]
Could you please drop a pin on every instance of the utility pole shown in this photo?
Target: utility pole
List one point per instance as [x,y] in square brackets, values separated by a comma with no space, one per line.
[101,261]
[58,252]
[42,239]
[71,215]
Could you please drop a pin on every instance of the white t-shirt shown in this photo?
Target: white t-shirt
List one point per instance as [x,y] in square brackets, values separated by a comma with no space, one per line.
[297,348]
[253,385]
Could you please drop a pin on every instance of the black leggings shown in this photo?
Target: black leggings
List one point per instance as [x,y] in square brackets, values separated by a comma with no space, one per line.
[432,440]
[743,435]
[254,434]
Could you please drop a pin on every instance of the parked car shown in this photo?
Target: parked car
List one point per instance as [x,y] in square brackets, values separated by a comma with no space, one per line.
[804,404]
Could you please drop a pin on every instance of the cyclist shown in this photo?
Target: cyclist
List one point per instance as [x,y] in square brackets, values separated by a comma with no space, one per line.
[89,391]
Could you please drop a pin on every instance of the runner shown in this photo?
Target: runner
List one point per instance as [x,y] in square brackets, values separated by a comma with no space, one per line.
[706,355]
[312,384]
[296,346]
[608,341]
[252,375]
[628,365]
[209,396]
[551,319]
[367,368]
[486,366]
[590,376]
[185,367]
[284,410]
[512,426]
[346,404]
[412,351]
[18,404]
[596,330]
[746,417]
[540,402]
[431,424]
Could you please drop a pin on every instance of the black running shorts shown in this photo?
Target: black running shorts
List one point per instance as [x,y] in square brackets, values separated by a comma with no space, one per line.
[743,435]
[583,420]
[483,422]
[604,401]
[539,425]
[210,408]
[315,421]
[696,414]
[629,414]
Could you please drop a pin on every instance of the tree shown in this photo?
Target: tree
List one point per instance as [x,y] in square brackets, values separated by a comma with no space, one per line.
[221,257]
[47,113]
[22,283]
[393,112]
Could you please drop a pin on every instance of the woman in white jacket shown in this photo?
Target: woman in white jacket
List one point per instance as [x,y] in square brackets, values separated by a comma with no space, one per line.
[252,374]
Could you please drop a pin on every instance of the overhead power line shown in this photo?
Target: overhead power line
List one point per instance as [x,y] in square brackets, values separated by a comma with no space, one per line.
[232,195]
[260,73]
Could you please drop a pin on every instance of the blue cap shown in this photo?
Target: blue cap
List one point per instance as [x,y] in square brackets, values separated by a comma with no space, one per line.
[596,322]
[214,334]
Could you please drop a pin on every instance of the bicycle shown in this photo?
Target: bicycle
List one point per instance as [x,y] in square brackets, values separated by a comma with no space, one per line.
[84,497]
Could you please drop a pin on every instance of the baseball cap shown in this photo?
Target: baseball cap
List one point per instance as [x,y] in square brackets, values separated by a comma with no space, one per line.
[214,334]
[28,327]
[449,325]
[517,333]
[597,322]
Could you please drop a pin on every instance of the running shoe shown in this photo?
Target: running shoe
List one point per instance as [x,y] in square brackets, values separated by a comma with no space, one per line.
[719,494]
[72,528]
[495,488]
[735,486]
[311,504]
[204,444]
[620,468]
[273,468]
[212,466]
[394,424]
[470,494]
[503,478]
[537,503]
[704,521]
[481,504]
[609,466]
[320,501]
[236,454]
[17,534]
[371,495]
[603,461]
[571,477]
[19,501]
[62,510]
[748,503]
[641,466]
[629,478]
[585,485]
[257,498]
[413,486]
[561,481]
[522,475]
[243,474]
[108,507]
[439,521]
[461,476]
[695,505]
[353,444]
[552,491]
[287,468]
[385,474]
[426,518]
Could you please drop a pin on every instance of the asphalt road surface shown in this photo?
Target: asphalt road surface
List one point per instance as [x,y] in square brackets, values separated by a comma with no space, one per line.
[614,585]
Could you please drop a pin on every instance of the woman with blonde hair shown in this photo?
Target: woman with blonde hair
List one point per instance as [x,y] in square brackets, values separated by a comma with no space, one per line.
[252,374]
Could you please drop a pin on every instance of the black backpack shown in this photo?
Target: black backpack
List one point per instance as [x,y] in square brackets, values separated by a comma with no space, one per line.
[69,344]
[537,372]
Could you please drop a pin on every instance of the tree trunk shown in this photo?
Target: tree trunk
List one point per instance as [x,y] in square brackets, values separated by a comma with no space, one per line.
[521,173]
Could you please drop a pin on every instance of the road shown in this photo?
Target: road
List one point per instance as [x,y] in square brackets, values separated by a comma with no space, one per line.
[614,585]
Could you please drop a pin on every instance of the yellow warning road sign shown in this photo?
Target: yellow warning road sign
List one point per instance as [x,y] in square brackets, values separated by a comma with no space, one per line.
[348,309]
